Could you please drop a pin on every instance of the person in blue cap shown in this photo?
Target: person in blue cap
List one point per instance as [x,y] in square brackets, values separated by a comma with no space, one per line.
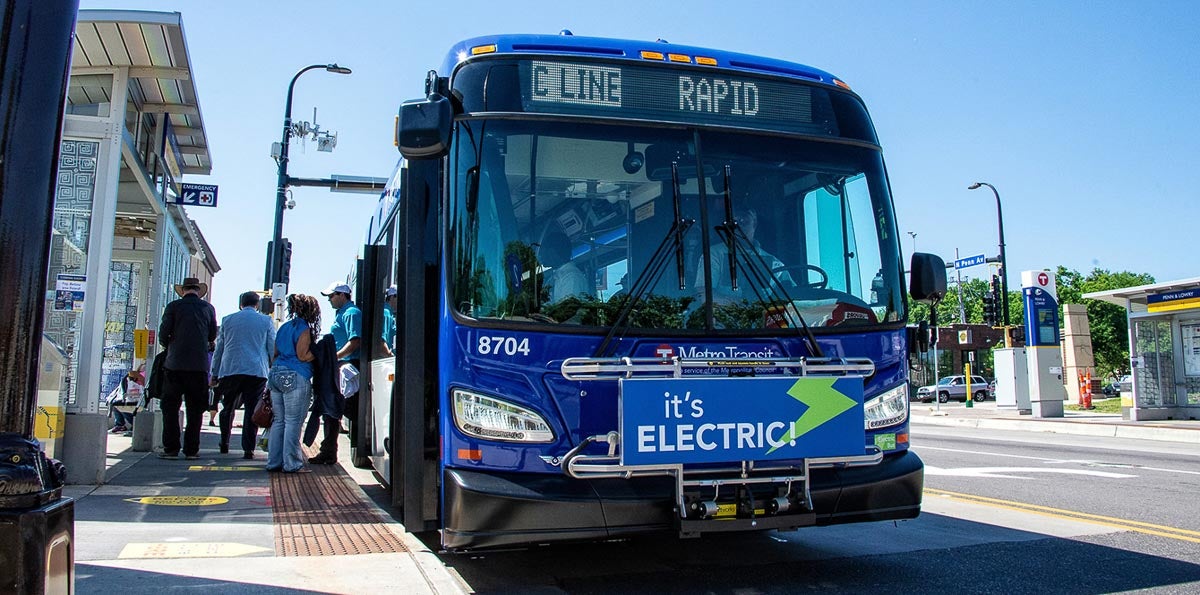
[347,336]
[388,336]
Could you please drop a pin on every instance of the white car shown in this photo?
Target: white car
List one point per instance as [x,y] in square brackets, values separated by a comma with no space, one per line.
[954,387]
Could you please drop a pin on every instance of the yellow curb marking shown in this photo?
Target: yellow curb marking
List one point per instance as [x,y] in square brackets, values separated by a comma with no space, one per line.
[223,468]
[188,550]
[179,500]
[1106,521]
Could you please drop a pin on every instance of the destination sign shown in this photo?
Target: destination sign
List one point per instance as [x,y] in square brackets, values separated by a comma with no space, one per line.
[675,95]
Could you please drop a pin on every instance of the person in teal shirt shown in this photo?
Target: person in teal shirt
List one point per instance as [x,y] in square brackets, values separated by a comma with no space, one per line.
[388,336]
[347,323]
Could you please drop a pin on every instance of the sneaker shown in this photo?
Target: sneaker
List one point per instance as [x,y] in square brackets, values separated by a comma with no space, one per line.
[174,456]
[224,449]
[117,429]
[192,457]
[249,456]
[323,459]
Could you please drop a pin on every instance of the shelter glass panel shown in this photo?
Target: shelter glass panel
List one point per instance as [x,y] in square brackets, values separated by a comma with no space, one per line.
[75,190]
[124,283]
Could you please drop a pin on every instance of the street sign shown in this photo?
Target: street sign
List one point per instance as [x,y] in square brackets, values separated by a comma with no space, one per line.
[197,195]
[969,261]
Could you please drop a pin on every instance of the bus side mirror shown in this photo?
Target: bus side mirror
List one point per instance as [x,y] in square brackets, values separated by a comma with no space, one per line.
[927,277]
[423,128]
[918,338]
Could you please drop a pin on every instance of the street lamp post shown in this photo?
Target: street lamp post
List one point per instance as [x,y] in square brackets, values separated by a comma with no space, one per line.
[1003,260]
[913,234]
[281,184]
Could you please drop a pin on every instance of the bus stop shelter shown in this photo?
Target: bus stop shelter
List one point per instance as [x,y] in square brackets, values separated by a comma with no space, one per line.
[1164,347]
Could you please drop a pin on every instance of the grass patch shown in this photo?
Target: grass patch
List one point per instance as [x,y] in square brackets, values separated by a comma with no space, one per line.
[1100,406]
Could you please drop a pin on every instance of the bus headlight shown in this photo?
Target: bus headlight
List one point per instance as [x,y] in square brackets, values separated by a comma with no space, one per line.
[493,419]
[888,409]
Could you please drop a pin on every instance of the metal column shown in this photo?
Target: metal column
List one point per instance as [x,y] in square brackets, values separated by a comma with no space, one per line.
[36,522]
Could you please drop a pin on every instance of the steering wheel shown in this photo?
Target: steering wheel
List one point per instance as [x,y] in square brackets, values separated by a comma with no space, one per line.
[804,268]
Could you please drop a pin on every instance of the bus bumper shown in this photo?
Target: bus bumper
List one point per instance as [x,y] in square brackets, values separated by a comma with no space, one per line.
[487,510]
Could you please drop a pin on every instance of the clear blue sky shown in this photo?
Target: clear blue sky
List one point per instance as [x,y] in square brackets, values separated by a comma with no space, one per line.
[1082,114]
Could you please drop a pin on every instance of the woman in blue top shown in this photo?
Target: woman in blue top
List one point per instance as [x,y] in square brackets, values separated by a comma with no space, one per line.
[290,380]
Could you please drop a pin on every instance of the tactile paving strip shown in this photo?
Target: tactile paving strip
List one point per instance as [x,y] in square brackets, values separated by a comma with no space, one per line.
[324,513]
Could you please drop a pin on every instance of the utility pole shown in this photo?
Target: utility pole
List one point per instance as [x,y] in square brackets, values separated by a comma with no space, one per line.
[962,313]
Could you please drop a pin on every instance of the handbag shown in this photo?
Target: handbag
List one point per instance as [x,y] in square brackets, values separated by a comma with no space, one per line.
[263,413]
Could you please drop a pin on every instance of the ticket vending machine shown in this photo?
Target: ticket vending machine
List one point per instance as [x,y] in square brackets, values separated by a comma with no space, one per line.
[1042,346]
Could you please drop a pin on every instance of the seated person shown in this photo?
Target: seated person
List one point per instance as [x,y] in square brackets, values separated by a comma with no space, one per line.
[624,287]
[723,291]
[123,401]
[564,278]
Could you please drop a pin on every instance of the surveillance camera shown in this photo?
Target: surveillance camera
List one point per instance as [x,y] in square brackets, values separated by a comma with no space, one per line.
[291,204]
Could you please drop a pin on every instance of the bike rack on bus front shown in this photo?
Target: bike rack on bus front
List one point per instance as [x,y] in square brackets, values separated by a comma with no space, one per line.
[583,466]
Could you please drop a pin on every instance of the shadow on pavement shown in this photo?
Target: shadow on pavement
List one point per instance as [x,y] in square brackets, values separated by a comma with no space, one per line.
[90,577]
[995,560]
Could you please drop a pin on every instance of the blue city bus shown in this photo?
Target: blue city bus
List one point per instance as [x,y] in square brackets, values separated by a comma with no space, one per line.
[643,288]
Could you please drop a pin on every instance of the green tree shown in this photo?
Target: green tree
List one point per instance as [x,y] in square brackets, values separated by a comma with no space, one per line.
[1108,323]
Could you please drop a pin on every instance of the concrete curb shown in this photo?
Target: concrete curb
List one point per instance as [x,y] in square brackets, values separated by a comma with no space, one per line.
[1066,427]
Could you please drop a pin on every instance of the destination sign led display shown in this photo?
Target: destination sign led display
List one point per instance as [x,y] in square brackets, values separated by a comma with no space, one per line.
[674,95]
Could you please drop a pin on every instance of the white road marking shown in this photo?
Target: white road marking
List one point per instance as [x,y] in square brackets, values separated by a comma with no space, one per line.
[1060,461]
[1002,472]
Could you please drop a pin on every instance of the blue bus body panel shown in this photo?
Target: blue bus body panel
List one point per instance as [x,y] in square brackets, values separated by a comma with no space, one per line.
[623,49]
[578,409]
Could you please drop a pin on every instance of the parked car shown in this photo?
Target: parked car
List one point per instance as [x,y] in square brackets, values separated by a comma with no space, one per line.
[1111,389]
[1125,384]
[955,387]
[992,390]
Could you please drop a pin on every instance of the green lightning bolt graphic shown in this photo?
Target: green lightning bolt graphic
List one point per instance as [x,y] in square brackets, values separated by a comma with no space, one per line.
[824,403]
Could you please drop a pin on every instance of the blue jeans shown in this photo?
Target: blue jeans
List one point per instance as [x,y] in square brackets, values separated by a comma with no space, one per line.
[120,418]
[291,396]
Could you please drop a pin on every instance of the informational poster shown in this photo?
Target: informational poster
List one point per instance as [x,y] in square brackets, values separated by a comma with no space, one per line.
[69,292]
[1191,348]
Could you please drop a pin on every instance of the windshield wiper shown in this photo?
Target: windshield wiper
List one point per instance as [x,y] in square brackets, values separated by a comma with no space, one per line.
[657,265]
[758,270]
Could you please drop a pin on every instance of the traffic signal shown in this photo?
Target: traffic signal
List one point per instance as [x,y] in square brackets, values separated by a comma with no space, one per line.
[997,299]
[285,261]
[991,305]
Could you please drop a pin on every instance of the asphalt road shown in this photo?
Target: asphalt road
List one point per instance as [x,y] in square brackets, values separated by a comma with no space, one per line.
[1004,512]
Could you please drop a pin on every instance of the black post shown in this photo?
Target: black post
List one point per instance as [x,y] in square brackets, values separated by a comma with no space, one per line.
[1003,258]
[281,181]
[36,522]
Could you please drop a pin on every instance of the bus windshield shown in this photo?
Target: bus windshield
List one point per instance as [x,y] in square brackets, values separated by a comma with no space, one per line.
[553,222]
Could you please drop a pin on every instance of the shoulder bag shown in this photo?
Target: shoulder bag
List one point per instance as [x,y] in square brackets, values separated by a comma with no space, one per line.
[263,414]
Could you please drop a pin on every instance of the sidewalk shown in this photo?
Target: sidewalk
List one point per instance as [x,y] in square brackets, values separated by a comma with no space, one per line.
[223,524]
[1084,423]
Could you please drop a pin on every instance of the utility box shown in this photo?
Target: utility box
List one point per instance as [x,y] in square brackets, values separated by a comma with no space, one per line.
[1012,380]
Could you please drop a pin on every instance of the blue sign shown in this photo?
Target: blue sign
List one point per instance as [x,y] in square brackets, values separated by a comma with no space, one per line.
[721,420]
[1041,318]
[1187,294]
[197,195]
[969,261]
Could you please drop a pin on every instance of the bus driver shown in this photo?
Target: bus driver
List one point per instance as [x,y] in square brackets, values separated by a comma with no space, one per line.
[723,292]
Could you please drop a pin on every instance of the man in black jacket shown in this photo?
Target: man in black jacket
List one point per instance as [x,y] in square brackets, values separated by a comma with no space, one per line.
[188,331]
